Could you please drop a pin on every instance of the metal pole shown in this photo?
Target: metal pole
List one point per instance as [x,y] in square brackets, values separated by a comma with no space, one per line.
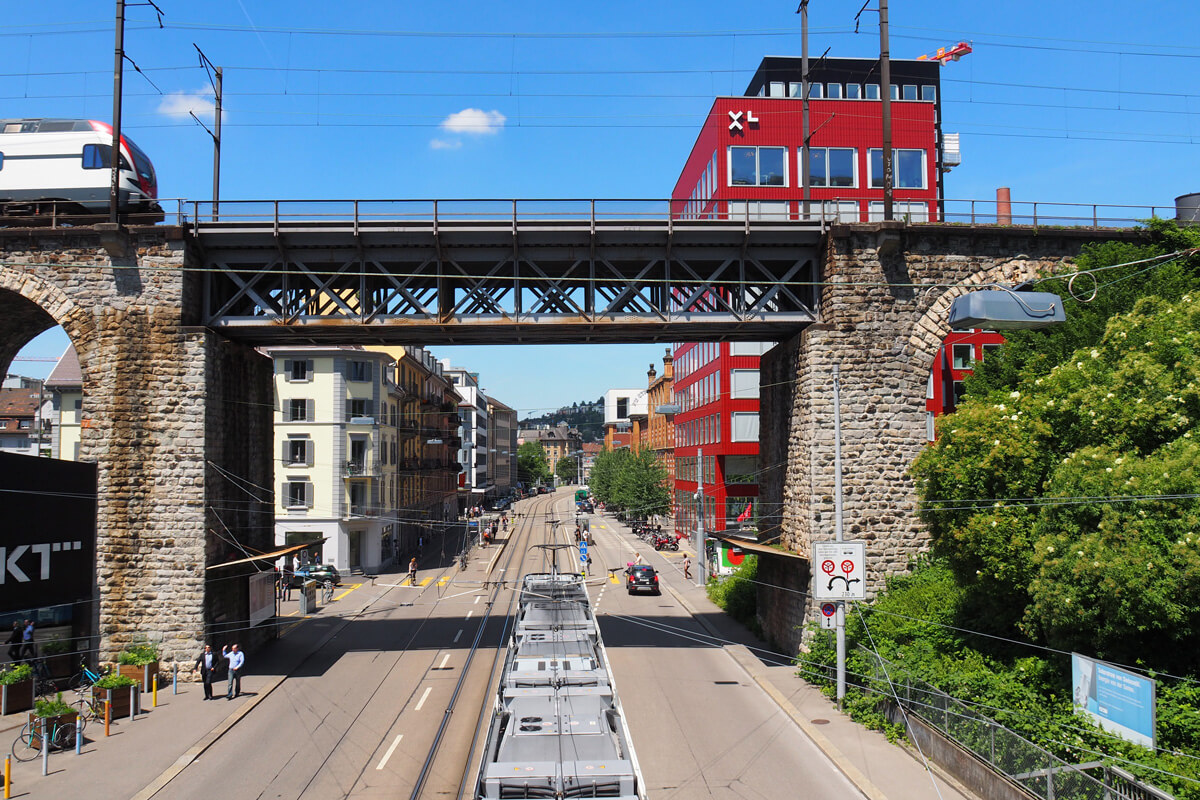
[701,550]
[840,618]
[805,166]
[217,149]
[885,94]
[118,67]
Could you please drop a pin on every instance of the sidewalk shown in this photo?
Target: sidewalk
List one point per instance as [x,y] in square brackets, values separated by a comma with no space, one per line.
[881,770]
[143,754]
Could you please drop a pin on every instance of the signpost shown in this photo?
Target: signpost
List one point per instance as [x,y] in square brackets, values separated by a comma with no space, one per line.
[840,571]
[829,615]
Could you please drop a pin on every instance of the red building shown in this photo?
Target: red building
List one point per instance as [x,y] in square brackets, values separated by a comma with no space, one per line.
[954,362]
[747,161]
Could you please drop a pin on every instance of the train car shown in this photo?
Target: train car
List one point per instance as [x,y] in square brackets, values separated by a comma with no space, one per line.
[557,728]
[64,167]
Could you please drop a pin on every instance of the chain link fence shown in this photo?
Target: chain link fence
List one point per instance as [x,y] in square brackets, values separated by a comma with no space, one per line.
[1037,770]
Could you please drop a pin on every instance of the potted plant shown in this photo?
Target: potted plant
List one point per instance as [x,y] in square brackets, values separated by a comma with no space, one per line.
[50,715]
[58,656]
[118,688]
[140,662]
[16,688]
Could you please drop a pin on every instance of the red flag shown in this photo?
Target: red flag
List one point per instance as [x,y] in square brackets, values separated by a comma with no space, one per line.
[745,515]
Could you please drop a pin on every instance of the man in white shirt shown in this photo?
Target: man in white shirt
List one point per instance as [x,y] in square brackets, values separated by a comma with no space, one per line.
[236,659]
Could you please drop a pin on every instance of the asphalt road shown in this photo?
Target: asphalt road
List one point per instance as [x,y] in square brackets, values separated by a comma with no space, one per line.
[358,717]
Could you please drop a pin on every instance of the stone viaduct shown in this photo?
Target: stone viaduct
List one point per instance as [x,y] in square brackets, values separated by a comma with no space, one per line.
[179,418]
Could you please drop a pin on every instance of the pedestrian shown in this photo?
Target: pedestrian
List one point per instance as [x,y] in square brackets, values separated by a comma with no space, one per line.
[588,564]
[208,664]
[28,648]
[14,642]
[236,659]
[687,568]
[286,589]
[412,571]
[638,560]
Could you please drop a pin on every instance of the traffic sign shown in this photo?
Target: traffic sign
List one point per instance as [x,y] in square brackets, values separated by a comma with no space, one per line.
[829,615]
[583,547]
[840,572]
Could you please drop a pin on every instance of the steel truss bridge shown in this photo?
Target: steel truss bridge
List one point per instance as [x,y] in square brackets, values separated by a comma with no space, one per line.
[489,272]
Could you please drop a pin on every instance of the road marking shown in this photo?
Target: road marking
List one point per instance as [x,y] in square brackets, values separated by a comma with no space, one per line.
[388,754]
[612,577]
[476,600]
[457,635]
[442,581]
[348,591]
[469,613]
[421,702]
[444,660]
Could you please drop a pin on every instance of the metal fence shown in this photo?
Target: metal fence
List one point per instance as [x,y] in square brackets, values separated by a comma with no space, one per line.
[1034,768]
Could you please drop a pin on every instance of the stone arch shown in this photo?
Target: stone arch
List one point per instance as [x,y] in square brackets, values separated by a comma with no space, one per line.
[31,305]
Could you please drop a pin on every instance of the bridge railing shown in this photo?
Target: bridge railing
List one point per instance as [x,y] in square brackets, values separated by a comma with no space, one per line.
[1040,772]
[848,209]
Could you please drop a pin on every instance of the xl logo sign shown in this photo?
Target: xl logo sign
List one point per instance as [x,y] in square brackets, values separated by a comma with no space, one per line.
[43,551]
[735,119]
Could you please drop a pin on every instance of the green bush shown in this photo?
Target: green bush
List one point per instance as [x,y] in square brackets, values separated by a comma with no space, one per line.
[737,594]
[52,708]
[139,655]
[15,673]
[114,680]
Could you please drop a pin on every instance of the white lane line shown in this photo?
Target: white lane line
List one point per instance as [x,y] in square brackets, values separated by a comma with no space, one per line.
[424,696]
[395,742]
[457,635]
[444,660]
[469,613]
[476,600]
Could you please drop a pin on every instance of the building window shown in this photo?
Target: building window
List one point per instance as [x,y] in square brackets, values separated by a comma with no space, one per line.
[743,426]
[359,370]
[833,91]
[960,391]
[840,210]
[872,91]
[929,92]
[78,403]
[758,166]
[25,424]
[298,494]
[908,92]
[989,350]
[776,89]
[908,168]
[930,430]
[298,452]
[853,91]
[298,370]
[622,407]
[299,410]
[814,91]
[832,166]
[908,210]
[963,356]
[358,407]
[744,384]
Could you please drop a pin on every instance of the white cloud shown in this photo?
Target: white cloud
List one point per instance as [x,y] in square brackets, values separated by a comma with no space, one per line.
[474,121]
[178,104]
[445,144]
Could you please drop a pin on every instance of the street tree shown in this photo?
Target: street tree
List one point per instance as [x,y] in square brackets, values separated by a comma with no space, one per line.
[566,469]
[532,466]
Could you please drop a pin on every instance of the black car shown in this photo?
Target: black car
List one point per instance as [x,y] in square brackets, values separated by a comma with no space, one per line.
[640,578]
[316,572]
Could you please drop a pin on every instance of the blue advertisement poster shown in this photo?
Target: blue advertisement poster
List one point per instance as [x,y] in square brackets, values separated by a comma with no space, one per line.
[1121,702]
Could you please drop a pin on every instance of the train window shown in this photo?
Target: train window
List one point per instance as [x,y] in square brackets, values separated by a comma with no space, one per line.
[1,161]
[99,156]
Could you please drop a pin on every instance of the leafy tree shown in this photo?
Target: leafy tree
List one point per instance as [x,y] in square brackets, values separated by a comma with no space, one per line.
[602,481]
[641,485]
[566,469]
[532,466]
[1067,507]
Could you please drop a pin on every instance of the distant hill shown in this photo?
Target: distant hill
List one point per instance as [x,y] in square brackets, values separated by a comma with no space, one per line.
[586,417]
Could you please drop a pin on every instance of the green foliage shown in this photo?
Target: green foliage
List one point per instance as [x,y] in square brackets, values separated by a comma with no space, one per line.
[737,594]
[114,680]
[586,417]
[532,466]
[52,708]
[139,654]
[56,646]
[16,673]
[566,469]
[633,482]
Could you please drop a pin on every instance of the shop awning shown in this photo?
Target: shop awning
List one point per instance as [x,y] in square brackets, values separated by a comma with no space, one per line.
[756,547]
[294,548]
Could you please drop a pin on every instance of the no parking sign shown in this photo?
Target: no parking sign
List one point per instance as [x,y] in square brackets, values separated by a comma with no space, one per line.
[829,615]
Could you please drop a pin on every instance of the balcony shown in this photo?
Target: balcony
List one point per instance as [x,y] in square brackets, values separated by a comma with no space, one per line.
[360,469]
[365,510]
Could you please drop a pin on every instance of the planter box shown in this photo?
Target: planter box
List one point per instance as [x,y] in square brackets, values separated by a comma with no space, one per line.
[122,699]
[143,675]
[16,697]
[51,724]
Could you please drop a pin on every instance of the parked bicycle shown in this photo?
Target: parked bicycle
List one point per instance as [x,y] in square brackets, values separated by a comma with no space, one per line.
[59,736]
[43,684]
[327,592]
[83,679]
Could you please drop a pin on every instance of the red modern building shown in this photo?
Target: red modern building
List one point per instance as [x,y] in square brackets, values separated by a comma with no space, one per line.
[746,161]
[955,361]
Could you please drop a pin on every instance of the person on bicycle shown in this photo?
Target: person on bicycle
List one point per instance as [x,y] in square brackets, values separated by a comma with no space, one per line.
[412,571]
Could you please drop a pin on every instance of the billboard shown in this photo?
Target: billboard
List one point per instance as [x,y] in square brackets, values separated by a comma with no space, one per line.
[262,597]
[47,532]
[1119,701]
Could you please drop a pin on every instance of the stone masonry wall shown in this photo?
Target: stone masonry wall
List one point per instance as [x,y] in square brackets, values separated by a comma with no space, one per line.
[152,390]
[884,303]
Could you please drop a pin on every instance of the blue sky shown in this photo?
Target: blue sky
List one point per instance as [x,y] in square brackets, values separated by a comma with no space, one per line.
[1062,102]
